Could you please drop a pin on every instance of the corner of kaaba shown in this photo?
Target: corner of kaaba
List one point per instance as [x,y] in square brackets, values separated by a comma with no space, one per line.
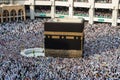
[64,38]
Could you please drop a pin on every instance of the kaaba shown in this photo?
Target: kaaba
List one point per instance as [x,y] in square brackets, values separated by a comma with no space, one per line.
[64,37]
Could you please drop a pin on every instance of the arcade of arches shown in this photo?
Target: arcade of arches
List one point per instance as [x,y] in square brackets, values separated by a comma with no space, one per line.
[10,13]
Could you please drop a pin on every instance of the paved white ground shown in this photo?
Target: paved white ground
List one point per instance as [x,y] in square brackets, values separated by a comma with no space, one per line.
[33,52]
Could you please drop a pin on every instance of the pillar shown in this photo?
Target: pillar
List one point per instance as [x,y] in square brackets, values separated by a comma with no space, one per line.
[17,15]
[32,15]
[53,9]
[70,8]
[11,1]
[114,17]
[24,13]
[91,11]
[1,15]
[115,12]
[1,18]
[32,9]
[9,17]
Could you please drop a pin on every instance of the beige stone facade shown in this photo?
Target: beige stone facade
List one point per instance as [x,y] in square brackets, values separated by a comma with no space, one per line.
[10,13]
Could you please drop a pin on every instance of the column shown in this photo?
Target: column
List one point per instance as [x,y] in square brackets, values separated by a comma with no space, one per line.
[21,15]
[1,18]
[1,15]
[114,17]
[24,13]
[52,8]
[91,11]
[9,17]
[11,1]
[32,15]
[70,8]
[115,12]
[6,17]
[17,16]
[32,9]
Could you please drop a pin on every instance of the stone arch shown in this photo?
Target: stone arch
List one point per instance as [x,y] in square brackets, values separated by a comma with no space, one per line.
[20,14]
[5,15]
[13,15]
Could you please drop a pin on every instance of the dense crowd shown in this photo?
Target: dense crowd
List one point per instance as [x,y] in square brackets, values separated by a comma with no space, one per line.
[103,13]
[44,9]
[99,13]
[62,10]
[81,12]
[101,54]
